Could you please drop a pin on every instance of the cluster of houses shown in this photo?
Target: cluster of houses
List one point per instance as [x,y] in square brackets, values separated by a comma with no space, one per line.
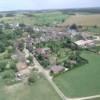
[88,42]
[48,33]
[10,26]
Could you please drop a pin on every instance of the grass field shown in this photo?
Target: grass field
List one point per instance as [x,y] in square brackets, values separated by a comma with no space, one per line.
[82,81]
[94,30]
[41,90]
[85,20]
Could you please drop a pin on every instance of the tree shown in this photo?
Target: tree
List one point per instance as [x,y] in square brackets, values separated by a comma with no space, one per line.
[22,25]
[9,15]
[30,58]
[29,29]
[8,74]
[95,26]
[32,78]
[7,26]
[3,65]
[67,64]
[73,27]
[21,45]
[10,49]
[2,47]
[39,56]
[13,66]
[45,63]
[1,16]
[17,32]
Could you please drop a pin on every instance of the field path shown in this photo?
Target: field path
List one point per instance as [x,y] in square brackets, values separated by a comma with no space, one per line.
[49,78]
[59,92]
[88,98]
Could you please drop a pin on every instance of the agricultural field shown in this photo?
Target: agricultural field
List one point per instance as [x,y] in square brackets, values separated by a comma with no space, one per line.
[49,19]
[94,30]
[82,81]
[82,78]
[84,20]
[40,90]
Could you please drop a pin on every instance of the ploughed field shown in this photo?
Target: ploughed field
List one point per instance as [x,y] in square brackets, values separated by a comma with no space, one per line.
[81,81]
[85,20]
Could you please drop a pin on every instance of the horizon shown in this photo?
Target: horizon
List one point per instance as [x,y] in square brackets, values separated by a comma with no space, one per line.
[13,5]
[51,9]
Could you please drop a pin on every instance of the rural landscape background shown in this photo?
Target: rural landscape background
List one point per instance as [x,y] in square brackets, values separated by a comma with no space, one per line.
[50,52]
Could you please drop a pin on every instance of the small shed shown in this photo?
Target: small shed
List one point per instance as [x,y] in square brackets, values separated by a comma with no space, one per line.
[43,50]
[56,69]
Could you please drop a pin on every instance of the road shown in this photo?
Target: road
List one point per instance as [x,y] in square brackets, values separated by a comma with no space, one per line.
[59,92]
[49,78]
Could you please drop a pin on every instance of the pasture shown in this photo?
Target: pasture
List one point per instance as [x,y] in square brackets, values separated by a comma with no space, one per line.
[81,81]
[40,90]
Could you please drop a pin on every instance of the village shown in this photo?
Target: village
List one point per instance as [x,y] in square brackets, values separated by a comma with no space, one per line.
[31,53]
[38,47]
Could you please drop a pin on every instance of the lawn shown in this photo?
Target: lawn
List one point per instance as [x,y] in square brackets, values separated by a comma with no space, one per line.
[82,81]
[41,90]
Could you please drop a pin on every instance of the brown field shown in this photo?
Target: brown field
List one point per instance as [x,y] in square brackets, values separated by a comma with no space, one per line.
[86,20]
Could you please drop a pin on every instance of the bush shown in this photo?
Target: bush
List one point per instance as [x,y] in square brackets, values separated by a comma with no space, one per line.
[8,74]
[3,64]
[2,47]
[13,66]
[32,78]
[30,58]
[45,63]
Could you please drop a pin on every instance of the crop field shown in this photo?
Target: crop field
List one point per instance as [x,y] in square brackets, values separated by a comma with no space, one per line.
[50,19]
[85,20]
[94,30]
[82,81]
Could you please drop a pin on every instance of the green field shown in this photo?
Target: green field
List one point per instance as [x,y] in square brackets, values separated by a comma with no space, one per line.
[51,19]
[82,81]
[94,30]
[40,90]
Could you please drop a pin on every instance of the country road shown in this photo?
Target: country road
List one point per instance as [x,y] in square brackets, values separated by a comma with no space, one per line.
[59,92]
[49,78]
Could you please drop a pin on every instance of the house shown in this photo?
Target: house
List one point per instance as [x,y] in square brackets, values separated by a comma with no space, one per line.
[57,69]
[72,62]
[43,50]
[85,43]
[14,25]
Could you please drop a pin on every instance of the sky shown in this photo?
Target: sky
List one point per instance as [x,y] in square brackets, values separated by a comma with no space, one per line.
[6,5]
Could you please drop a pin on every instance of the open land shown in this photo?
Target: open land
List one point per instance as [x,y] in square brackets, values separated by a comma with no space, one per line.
[48,37]
[85,20]
[82,81]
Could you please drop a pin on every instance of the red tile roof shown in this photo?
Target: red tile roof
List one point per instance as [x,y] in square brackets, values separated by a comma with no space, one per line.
[57,69]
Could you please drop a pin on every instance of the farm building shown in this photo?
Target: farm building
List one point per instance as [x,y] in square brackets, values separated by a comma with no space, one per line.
[85,43]
[56,69]
[43,50]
